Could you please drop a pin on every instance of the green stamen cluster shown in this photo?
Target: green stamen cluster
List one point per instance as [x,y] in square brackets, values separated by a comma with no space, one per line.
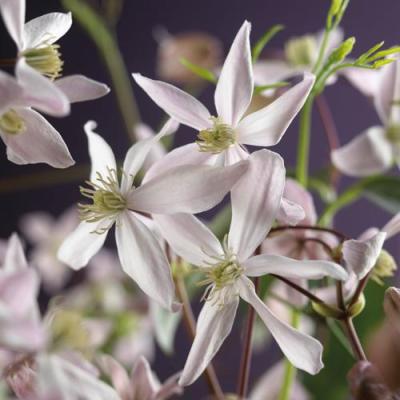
[393,134]
[301,51]
[45,59]
[12,123]
[216,139]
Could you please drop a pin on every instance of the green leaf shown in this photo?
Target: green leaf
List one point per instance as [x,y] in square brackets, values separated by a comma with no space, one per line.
[262,42]
[385,192]
[260,89]
[201,72]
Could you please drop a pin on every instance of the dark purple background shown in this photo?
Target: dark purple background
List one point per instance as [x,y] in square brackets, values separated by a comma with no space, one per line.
[368,21]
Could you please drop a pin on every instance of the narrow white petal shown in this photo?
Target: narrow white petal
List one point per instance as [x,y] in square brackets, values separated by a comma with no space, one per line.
[187,189]
[234,154]
[143,259]
[213,326]
[365,80]
[367,154]
[290,268]
[80,88]
[235,83]
[290,213]
[267,72]
[392,228]
[361,255]
[175,102]
[267,126]
[11,92]
[81,245]
[14,258]
[145,384]
[101,155]
[13,13]
[189,238]
[256,200]
[303,351]
[46,29]
[38,143]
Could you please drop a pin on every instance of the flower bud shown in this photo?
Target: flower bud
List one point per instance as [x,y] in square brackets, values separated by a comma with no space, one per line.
[357,307]
[327,311]
[198,48]
[384,267]
[341,52]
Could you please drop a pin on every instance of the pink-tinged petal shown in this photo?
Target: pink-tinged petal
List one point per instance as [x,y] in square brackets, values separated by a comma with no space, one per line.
[303,351]
[37,226]
[234,154]
[144,384]
[175,102]
[367,154]
[392,228]
[79,88]
[213,326]
[289,268]
[282,244]
[46,29]
[14,259]
[268,72]
[365,80]
[267,126]
[361,255]
[170,387]
[189,238]
[11,92]
[40,92]
[290,213]
[235,84]
[256,199]
[143,259]
[188,154]
[81,245]
[13,13]
[101,155]
[188,189]
[38,143]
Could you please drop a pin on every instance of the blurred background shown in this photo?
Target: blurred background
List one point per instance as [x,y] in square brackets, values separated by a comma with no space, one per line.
[25,188]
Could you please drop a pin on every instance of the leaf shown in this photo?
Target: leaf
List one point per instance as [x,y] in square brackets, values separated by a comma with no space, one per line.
[260,89]
[201,72]
[385,192]
[262,42]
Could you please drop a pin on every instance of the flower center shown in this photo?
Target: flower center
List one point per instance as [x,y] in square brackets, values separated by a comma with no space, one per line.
[46,59]
[12,123]
[393,134]
[216,139]
[107,200]
[301,51]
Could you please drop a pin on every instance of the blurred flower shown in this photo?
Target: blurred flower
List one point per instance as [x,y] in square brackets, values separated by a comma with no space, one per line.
[255,202]
[199,48]
[221,138]
[196,189]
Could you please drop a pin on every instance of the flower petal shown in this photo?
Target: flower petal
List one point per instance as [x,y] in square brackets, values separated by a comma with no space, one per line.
[367,154]
[175,102]
[392,228]
[187,189]
[101,155]
[189,238]
[143,259]
[14,259]
[235,84]
[365,80]
[40,92]
[267,126]
[39,143]
[11,92]
[46,29]
[361,255]
[290,213]
[303,351]
[289,268]
[145,385]
[213,326]
[80,88]
[81,245]
[268,72]
[256,200]
[234,154]
[13,13]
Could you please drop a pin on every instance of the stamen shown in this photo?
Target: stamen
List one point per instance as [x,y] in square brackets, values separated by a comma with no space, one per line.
[12,123]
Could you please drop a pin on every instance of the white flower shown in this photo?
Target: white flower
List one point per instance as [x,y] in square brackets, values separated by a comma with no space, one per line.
[377,148]
[221,138]
[190,189]
[255,203]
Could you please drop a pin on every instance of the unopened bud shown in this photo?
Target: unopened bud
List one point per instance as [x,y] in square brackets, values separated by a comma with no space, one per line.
[198,48]
[391,304]
[384,267]
[356,308]
[340,53]
[327,311]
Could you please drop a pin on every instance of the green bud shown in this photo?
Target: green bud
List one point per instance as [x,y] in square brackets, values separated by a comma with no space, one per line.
[327,311]
[357,307]
[385,267]
[341,52]
[335,13]
[12,123]
[301,51]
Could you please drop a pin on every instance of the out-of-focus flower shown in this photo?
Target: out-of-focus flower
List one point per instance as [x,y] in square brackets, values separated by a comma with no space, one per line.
[199,48]
[141,384]
[195,189]
[221,139]
[392,307]
[378,148]
[255,202]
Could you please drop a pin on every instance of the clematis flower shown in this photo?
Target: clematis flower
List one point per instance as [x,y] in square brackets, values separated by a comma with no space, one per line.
[221,138]
[191,189]
[376,149]
[141,384]
[228,267]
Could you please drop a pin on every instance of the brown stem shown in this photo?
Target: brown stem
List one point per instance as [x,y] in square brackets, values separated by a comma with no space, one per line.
[328,249]
[338,234]
[359,290]
[247,349]
[7,62]
[354,339]
[339,296]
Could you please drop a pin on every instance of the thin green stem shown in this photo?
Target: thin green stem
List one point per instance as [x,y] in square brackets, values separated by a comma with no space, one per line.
[322,51]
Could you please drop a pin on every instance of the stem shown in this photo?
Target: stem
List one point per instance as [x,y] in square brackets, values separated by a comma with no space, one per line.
[322,50]
[338,234]
[360,288]
[7,62]
[190,324]
[247,349]
[328,249]
[354,339]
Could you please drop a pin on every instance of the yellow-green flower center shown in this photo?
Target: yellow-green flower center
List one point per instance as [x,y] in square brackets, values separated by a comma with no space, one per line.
[46,59]
[393,134]
[216,139]
[301,51]
[12,123]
